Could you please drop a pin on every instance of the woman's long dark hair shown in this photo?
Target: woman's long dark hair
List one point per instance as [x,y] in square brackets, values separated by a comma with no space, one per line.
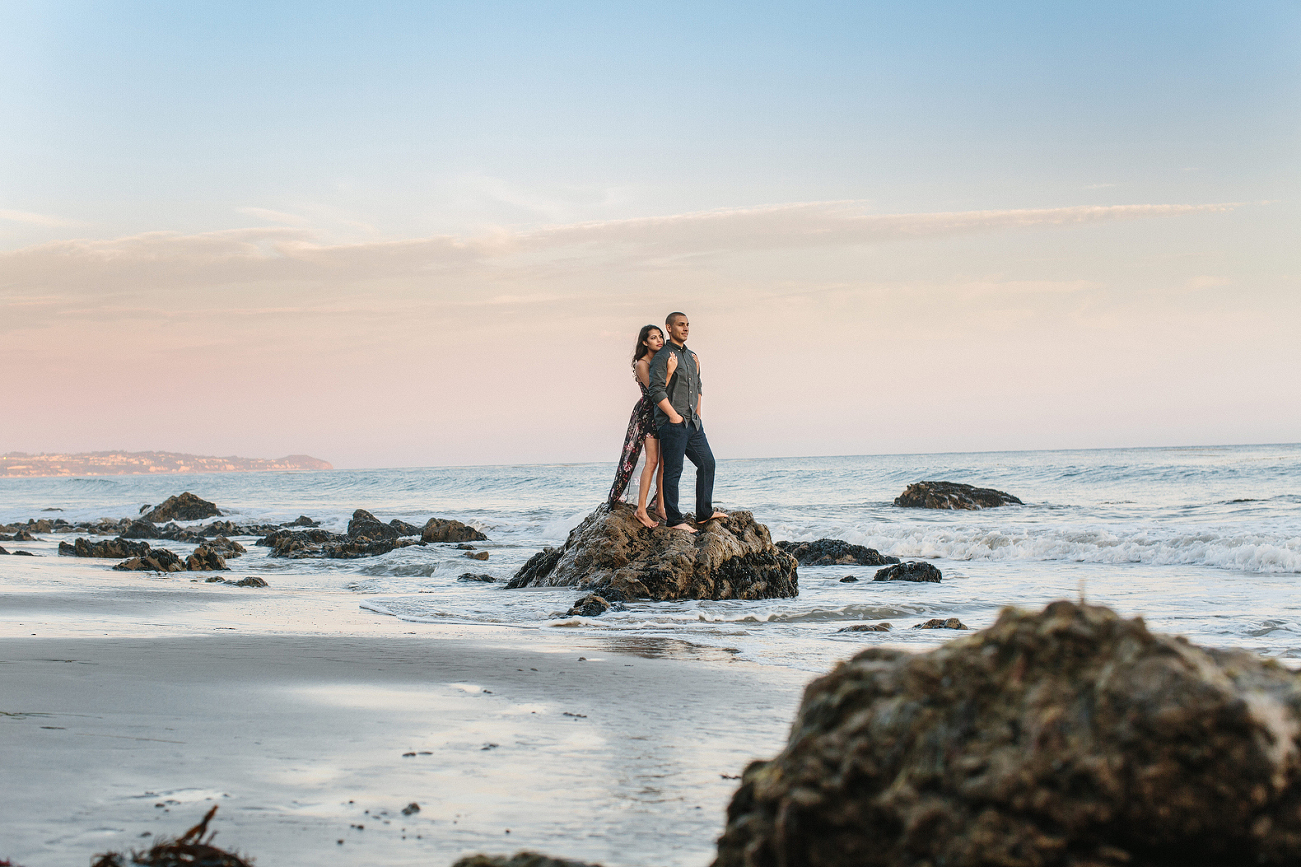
[642,349]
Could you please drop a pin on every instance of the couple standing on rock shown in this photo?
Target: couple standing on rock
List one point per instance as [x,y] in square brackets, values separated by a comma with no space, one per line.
[667,422]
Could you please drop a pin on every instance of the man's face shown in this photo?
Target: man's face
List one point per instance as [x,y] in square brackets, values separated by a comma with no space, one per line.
[679,328]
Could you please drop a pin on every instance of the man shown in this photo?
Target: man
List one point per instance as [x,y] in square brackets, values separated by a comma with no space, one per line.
[677,419]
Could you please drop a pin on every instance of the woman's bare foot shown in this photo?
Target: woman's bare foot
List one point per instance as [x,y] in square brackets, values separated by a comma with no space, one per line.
[663,516]
[645,519]
[684,527]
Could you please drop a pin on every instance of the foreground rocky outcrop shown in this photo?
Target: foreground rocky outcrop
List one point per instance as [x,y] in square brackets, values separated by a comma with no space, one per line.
[835,552]
[183,507]
[1064,737]
[952,495]
[612,555]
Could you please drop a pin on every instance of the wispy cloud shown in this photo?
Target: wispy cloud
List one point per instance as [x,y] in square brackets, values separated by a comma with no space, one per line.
[37,219]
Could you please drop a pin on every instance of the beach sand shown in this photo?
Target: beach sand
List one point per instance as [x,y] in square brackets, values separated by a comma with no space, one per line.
[132,704]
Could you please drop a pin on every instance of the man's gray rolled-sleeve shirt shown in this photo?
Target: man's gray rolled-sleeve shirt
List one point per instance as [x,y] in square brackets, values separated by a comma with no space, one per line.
[683,390]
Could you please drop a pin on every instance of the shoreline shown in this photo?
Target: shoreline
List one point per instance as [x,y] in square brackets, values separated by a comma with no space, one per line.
[300,730]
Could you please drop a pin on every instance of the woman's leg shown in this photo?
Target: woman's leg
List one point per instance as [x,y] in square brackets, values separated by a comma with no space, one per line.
[647,474]
[659,487]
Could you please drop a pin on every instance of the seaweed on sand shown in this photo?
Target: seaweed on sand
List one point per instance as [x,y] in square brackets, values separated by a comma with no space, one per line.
[187,850]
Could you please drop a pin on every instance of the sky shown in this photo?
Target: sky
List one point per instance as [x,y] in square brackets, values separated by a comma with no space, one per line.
[420,234]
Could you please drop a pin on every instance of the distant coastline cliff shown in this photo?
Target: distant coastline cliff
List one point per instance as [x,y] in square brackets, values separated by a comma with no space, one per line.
[145,463]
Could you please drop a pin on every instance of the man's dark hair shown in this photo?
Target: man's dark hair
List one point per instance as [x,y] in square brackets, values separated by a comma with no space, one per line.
[668,320]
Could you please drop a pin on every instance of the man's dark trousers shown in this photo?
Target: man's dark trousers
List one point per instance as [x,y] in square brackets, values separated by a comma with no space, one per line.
[686,440]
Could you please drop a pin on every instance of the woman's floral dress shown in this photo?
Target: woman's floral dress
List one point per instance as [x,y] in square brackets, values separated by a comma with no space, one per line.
[640,426]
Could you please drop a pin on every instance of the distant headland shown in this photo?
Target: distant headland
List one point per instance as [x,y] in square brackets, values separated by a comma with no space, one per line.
[145,463]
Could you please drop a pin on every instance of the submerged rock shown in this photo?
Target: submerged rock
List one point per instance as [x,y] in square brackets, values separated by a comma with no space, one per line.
[20,534]
[112,549]
[610,552]
[183,507]
[590,605]
[952,495]
[444,530]
[1060,738]
[302,521]
[479,577]
[910,571]
[867,627]
[476,555]
[835,552]
[519,859]
[251,581]
[939,623]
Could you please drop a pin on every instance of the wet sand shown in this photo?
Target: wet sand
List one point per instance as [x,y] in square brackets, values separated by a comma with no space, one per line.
[129,705]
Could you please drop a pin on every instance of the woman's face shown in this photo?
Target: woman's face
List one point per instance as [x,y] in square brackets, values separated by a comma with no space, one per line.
[654,341]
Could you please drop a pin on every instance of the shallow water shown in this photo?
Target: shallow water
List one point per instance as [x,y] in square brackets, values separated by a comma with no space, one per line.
[1200,541]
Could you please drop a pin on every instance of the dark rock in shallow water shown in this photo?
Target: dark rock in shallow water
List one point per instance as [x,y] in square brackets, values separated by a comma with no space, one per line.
[111,549]
[156,560]
[366,526]
[590,605]
[867,627]
[3,551]
[21,534]
[226,548]
[302,521]
[205,559]
[480,577]
[405,529]
[275,539]
[910,571]
[443,530]
[314,543]
[835,552]
[611,552]
[952,495]
[477,555]
[23,554]
[519,859]
[938,623]
[142,530]
[1060,738]
[251,581]
[848,579]
[183,507]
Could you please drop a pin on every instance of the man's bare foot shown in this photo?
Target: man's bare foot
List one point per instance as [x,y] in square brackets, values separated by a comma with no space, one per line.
[714,517]
[645,519]
[684,527]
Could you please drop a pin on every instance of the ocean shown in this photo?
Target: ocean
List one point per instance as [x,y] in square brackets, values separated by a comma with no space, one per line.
[1203,542]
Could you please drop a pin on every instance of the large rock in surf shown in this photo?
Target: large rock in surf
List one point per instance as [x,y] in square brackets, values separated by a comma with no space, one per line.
[1060,738]
[952,495]
[611,554]
[183,507]
[910,571]
[835,552]
[366,526]
[445,530]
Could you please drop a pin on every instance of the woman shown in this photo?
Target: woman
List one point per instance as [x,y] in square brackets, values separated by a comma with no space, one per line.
[641,431]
